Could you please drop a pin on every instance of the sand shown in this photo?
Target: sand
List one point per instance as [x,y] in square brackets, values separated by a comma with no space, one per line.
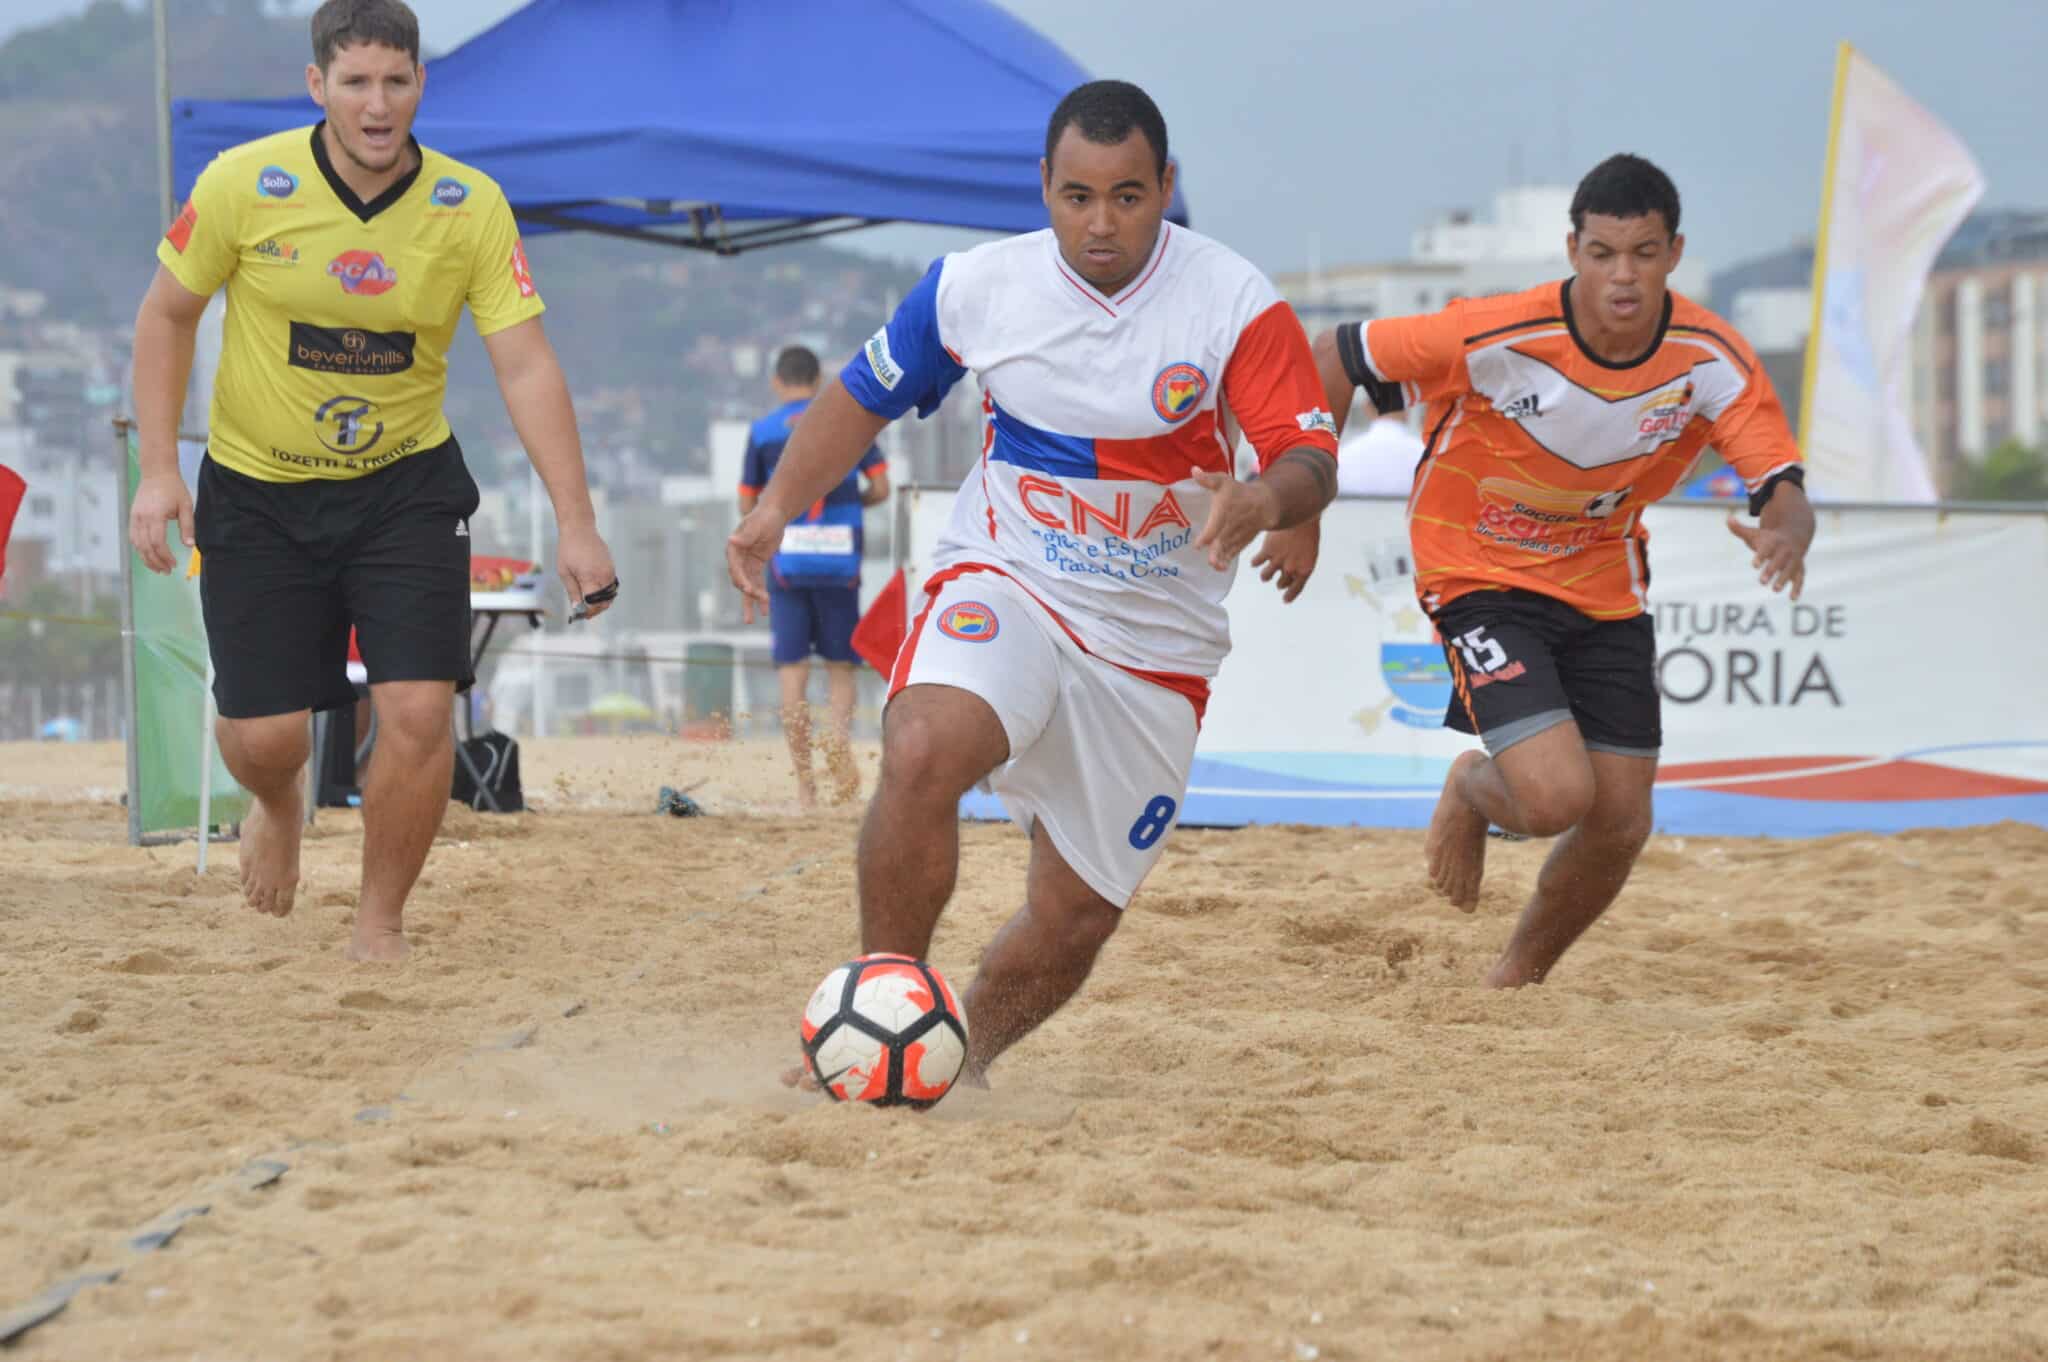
[1790,1100]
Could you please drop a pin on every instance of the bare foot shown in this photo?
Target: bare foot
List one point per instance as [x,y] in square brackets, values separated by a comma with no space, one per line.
[972,1077]
[806,794]
[269,854]
[1456,843]
[378,945]
[800,1077]
[1506,975]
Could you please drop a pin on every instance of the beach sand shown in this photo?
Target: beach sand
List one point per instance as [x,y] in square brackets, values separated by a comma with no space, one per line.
[1789,1100]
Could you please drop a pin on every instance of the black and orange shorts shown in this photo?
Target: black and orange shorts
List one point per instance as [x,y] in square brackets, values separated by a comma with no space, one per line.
[1522,662]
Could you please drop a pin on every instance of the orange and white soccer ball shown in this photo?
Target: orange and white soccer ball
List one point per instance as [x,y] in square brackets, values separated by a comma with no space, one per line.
[885,1029]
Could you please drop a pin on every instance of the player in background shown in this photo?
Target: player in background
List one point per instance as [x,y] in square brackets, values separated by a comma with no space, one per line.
[813,581]
[1554,417]
[1074,616]
[333,492]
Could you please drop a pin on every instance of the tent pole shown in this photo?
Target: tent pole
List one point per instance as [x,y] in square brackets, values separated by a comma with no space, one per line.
[206,768]
[163,109]
[130,707]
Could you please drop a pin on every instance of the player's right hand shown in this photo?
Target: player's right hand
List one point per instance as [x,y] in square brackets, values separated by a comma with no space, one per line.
[748,550]
[158,501]
[1291,554]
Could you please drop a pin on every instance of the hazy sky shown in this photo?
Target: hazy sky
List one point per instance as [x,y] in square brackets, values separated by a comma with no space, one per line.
[1338,127]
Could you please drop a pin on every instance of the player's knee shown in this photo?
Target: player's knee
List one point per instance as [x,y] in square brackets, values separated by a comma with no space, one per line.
[1553,801]
[274,743]
[416,723]
[1625,829]
[1080,929]
[923,754]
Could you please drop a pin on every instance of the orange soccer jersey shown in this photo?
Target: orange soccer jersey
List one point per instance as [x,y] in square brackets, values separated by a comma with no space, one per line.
[1541,457]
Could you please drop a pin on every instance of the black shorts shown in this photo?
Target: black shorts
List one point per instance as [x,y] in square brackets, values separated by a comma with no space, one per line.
[287,568]
[1523,662]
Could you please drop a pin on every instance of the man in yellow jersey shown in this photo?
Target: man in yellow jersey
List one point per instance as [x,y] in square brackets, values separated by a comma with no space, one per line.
[1554,417]
[333,494]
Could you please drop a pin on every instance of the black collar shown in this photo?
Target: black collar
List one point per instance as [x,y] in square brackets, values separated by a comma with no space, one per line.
[364,211]
[1663,324]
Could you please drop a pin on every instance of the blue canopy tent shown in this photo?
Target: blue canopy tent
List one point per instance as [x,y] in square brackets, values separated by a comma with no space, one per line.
[723,125]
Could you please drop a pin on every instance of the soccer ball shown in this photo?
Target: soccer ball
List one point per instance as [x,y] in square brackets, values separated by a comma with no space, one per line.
[885,1029]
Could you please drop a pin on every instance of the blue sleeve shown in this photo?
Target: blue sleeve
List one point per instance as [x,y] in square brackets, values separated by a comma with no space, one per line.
[870,460]
[905,364]
[754,468]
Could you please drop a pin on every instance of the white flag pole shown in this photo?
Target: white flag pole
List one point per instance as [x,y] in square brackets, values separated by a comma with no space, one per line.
[1820,250]
[206,768]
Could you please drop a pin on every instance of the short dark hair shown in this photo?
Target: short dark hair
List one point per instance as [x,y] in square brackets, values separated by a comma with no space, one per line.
[345,23]
[1106,111]
[797,367]
[1625,186]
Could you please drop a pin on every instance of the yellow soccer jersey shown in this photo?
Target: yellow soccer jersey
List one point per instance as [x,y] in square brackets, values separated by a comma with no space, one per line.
[340,312]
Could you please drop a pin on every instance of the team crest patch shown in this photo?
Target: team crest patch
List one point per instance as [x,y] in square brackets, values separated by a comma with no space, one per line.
[970,622]
[1178,391]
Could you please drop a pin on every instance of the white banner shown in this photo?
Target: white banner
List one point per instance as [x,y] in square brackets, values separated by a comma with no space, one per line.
[1901,691]
[1897,184]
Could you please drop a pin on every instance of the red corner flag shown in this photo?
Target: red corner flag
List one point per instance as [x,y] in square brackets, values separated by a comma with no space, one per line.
[879,635]
[12,489]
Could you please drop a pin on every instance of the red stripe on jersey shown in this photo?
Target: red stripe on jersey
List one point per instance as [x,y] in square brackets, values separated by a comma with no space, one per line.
[1194,443]
[899,675]
[1194,689]
[1273,389]
[1090,294]
[1158,258]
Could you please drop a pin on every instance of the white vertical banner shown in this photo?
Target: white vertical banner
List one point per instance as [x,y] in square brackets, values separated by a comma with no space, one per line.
[1896,185]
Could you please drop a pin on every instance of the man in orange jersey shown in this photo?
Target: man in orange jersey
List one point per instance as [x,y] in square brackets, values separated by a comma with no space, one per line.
[1554,417]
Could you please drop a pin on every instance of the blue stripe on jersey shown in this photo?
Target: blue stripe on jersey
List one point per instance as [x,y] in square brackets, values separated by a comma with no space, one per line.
[905,364]
[1025,445]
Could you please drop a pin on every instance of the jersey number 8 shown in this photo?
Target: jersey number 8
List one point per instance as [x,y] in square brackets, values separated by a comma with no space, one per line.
[1151,824]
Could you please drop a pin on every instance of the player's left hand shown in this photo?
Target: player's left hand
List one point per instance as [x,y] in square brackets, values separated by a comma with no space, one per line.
[748,551]
[1780,558]
[1290,554]
[585,565]
[1239,512]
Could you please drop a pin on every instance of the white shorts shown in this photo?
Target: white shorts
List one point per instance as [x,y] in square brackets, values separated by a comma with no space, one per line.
[1098,755]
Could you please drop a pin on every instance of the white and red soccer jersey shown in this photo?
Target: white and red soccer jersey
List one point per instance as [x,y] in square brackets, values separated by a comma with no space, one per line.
[1097,411]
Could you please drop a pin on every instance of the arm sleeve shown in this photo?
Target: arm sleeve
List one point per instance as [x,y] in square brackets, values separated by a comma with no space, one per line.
[203,246]
[753,469]
[1272,389]
[1404,361]
[906,364]
[501,289]
[1752,434]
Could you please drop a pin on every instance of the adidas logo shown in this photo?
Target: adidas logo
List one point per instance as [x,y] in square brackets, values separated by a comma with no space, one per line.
[1529,404]
[462,529]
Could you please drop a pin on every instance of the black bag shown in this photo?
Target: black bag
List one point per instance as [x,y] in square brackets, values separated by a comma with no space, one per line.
[494,788]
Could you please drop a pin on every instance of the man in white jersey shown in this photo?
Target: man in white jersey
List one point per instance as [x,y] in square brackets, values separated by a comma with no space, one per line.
[1075,614]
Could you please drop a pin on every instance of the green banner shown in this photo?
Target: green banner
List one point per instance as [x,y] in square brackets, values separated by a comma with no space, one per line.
[168,644]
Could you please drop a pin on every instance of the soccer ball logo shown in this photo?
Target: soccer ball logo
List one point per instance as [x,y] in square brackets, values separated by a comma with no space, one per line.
[885,1029]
